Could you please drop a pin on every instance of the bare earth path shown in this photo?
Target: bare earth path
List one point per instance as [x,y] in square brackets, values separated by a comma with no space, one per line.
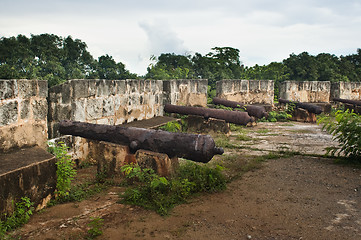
[298,197]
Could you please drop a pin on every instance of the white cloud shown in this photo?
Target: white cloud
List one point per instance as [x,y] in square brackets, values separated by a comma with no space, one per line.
[132,30]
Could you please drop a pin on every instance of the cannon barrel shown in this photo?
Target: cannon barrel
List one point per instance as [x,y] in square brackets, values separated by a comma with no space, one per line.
[312,108]
[236,117]
[253,111]
[353,102]
[196,147]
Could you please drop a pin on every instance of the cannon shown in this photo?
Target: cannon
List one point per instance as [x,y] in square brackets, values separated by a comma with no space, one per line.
[196,147]
[252,110]
[348,101]
[236,117]
[312,108]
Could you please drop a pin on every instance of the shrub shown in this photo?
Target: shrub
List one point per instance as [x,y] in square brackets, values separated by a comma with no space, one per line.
[65,170]
[346,129]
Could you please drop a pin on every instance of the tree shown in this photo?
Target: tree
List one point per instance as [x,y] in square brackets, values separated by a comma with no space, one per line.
[302,67]
[107,68]
[56,59]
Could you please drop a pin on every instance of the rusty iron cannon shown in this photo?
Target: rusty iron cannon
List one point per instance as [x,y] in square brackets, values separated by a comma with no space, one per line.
[252,110]
[312,108]
[348,101]
[236,117]
[196,147]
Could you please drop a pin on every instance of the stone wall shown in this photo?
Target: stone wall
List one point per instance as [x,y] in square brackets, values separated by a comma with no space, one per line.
[109,102]
[346,90]
[246,91]
[305,91]
[23,113]
[186,92]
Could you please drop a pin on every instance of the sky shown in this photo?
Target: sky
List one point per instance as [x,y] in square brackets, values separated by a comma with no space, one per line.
[131,31]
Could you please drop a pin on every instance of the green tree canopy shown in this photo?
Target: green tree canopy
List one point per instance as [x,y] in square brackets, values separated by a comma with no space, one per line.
[55,59]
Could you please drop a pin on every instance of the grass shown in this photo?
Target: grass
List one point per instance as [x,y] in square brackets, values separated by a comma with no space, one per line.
[263,131]
[148,190]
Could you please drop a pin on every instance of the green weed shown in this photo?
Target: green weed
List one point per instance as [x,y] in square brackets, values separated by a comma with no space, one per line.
[95,225]
[21,215]
[65,170]
[161,194]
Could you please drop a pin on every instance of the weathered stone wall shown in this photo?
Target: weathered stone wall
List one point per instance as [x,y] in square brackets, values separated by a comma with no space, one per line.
[305,91]
[186,92]
[23,113]
[246,91]
[104,101]
[346,90]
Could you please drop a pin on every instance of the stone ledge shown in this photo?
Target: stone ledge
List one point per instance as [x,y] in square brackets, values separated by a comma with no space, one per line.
[28,172]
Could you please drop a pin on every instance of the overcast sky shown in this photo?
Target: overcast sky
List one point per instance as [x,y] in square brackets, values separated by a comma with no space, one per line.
[133,30]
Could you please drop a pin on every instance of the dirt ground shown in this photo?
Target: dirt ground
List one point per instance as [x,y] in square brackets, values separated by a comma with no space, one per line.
[295,197]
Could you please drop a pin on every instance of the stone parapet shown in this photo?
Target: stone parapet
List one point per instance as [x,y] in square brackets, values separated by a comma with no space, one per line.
[305,91]
[109,102]
[23,113]
[346,90]
[186,92]
[246,91]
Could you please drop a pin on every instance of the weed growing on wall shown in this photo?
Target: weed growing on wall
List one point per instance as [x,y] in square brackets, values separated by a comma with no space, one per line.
[65,170]
[21,215]
[346,129]
[157,193]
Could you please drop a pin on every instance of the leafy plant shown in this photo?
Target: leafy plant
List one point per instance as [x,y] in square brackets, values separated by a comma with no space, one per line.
[274,116]
[346,129]
[173,126]
[21,215]
[65,170]
[161,194]
[95,225]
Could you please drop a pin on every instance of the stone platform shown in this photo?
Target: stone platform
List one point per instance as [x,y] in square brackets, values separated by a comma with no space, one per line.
[28,172]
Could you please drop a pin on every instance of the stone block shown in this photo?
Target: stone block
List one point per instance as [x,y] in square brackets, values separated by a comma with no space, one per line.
[25,109]
[133,85]
[159,162]
[7,89]
[166,86]
[108,107]
[63,112]
[8,113]
[254,86]
[29,172]
[200,125]
[302,115]
[27,88]
[265,85]
[141,85]
[105,88]
[80,88]
[94,109]
[244,86]
[92,87]
[110,157]
[22,135]
[120,87]
[40,109]
[202,86]
[43,88]
[78,110]
[66,93]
